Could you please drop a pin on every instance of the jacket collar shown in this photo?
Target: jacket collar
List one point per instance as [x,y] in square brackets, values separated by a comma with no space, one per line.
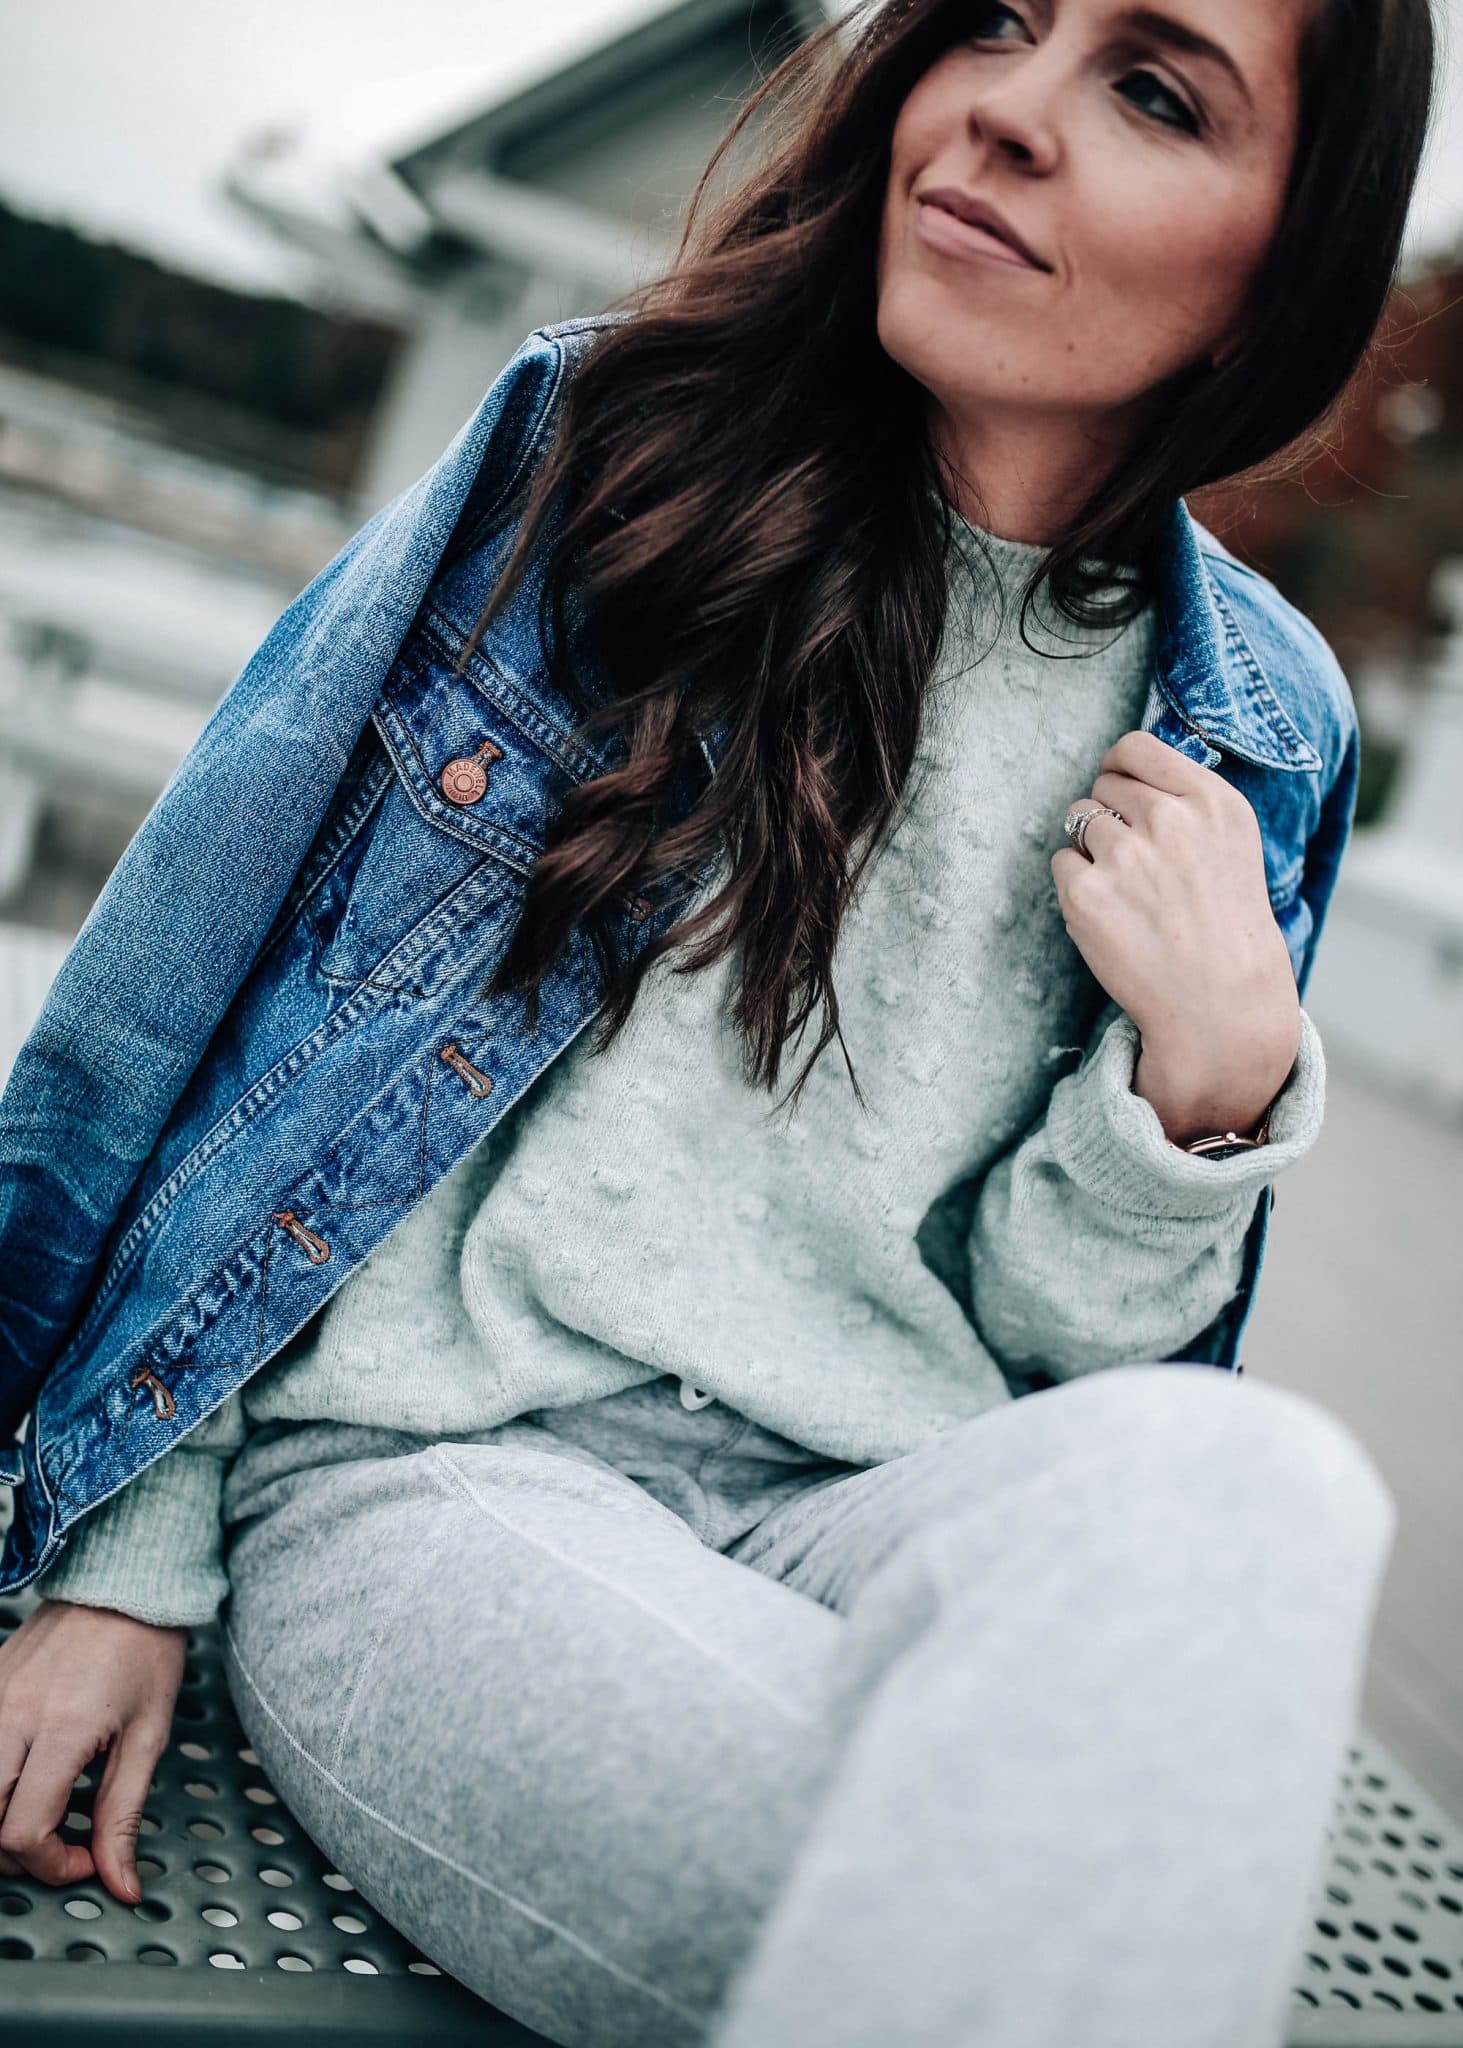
[1209,685]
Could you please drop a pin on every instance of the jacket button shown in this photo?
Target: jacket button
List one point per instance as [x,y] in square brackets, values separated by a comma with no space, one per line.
[465,780]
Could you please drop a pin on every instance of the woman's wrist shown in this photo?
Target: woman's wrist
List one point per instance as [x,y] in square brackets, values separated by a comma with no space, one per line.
[1194,1095]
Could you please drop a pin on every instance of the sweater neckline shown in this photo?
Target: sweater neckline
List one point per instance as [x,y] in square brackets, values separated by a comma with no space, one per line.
[1019,557]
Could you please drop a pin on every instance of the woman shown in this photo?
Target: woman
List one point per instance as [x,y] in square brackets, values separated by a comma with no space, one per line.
[697,1578]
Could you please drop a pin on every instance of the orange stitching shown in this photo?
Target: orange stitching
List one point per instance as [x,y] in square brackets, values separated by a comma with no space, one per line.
[316,1250]
[162,1400]
[476,1079]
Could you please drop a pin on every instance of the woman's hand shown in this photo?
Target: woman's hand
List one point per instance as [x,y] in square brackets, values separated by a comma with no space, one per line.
[1172,914]
[73,1681]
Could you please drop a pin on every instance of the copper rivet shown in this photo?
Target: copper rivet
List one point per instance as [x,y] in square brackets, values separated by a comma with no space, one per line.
[463,782]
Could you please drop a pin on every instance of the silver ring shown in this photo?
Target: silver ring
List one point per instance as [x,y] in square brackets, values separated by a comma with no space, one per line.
[1076,822]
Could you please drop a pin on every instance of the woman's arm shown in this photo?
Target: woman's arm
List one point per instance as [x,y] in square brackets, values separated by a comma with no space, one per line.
[154,1549]
[1095,1242]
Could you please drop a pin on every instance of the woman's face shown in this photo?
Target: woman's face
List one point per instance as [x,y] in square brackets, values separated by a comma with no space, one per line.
[1145,171]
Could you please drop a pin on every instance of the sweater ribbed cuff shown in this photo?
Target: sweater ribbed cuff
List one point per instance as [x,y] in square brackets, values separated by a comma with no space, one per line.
[1112,1143]
[154,1549]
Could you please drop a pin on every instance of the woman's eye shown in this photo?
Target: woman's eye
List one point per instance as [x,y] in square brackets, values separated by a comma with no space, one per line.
[1186,117]
[985,16]
[993,16]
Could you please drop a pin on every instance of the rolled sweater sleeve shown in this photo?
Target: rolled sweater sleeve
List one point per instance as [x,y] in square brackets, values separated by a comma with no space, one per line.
[1095,1242]
[154,1549]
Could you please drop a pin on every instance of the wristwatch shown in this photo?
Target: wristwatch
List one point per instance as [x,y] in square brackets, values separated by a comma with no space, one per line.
[1225,1144]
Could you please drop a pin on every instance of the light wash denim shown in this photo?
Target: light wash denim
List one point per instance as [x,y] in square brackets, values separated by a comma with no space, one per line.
[655,1729]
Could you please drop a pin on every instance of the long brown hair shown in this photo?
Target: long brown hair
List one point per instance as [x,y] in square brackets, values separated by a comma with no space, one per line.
[747,499]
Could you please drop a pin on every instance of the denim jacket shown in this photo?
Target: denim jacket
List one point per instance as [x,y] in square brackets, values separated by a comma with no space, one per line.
[270,1038]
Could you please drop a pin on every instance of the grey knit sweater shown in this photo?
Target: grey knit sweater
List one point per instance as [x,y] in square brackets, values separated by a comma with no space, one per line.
[857,1280]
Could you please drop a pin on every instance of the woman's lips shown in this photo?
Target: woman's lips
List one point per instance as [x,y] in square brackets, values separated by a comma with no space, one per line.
[954,237]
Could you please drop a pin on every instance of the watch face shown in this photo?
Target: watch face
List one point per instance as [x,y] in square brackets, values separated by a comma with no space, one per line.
[1223,1151]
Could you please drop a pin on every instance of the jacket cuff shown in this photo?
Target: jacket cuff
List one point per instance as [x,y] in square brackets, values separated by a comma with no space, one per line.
[153,1550]
[1111,1142]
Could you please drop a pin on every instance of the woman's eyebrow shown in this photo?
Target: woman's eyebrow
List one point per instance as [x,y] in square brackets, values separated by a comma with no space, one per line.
[1162,28]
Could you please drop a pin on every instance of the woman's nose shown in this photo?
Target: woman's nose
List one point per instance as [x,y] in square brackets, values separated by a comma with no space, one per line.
[1015,108]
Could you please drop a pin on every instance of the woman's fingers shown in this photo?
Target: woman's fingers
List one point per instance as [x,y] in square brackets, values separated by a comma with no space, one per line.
[75,1682]
[12,1755]
[116,1815]
[37,1806]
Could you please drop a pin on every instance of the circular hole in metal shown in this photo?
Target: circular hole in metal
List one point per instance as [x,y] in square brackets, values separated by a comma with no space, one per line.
[336,1882]
[148,1866]
[261,1795]
[156,1955]
[278,1878]
[293,1963]
[78,1820]
[212,1873]
[152,1909]
[196,1752]
[359,1967]
[199,1788]
[223,1959]
[85,1952]
[288,1923]
[206,1830]
[348,1923]
[220,1916]
[424,1969]
[14,1950]
[83,1909]
[271,1837]
[148,1826]
[246,1756]
[13,1904]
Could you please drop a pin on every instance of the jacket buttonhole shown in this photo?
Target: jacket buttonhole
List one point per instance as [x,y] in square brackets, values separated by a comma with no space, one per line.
[316,1250]
[477,1081]
[162,1401]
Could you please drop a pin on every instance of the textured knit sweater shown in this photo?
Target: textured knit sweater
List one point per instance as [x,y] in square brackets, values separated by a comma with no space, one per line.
[857,1279]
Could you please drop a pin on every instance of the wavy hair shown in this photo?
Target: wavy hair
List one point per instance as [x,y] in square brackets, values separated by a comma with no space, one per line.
[742,488]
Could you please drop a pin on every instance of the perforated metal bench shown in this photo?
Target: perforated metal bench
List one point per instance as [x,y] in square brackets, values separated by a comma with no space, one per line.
[246,1934]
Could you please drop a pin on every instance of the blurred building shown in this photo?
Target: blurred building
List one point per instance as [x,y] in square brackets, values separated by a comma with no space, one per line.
[543,204]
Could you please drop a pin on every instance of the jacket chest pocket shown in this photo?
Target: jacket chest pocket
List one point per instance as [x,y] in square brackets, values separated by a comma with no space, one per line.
[471,775]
